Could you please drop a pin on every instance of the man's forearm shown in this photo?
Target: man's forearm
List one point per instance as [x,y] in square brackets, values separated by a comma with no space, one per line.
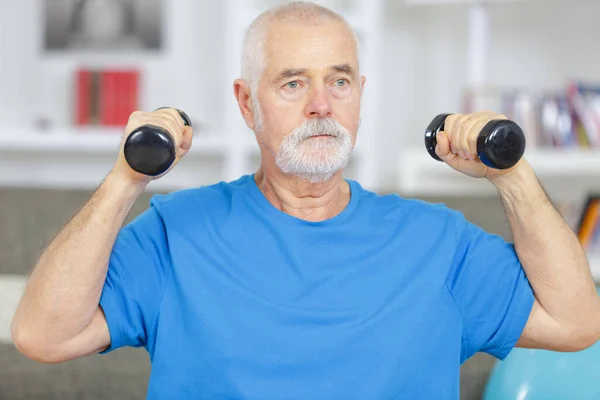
[553,259]
[62,294]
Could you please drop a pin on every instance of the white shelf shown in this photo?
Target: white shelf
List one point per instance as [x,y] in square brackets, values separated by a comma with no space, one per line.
[563,173]
[87,140]
[81,158]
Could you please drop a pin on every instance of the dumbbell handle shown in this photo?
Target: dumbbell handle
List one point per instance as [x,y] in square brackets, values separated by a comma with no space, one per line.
[150,149]
[500,144]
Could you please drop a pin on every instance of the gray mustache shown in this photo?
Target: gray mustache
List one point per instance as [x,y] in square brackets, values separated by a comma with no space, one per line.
[317,127]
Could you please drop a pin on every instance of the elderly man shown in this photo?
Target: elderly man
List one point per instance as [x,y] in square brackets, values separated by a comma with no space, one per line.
[293,282]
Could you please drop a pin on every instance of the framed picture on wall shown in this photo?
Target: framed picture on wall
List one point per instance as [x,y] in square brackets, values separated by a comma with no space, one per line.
[105,26]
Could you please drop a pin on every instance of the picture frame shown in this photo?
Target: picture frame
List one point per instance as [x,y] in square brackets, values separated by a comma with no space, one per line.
[103,26]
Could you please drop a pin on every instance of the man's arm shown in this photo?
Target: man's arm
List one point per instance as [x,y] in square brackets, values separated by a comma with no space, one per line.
[59,317]
[61,298]
[566,312]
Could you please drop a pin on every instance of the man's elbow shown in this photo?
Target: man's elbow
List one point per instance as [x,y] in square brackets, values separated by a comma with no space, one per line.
[34,347]
[583,337]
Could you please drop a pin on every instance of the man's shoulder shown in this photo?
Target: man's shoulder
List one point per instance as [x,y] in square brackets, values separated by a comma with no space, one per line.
[207,196]
[391,201]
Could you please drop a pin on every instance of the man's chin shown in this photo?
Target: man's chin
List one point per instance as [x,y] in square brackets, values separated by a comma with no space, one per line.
[320,145]
[315,159]
[315,177]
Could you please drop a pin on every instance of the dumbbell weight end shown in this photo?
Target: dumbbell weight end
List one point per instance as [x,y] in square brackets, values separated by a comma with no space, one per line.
[500,144]
[150,150]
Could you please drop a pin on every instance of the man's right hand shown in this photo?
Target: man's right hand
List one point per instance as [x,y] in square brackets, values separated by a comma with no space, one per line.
[167,118]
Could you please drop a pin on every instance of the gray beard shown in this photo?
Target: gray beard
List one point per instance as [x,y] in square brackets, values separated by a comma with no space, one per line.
[315,160]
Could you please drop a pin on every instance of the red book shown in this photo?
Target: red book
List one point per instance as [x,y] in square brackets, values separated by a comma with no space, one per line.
[130,97]
[127,95]
[83,93]
[107,98]
[119,96]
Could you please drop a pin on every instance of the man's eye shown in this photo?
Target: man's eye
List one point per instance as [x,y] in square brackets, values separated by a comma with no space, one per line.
[292,84]
[341,82]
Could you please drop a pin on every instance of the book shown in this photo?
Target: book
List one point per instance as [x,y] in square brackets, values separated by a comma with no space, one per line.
[588,227]
[583,218]
[105,97]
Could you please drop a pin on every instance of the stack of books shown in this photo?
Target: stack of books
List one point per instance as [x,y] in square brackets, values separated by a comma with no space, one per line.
[561,119]
[105,97]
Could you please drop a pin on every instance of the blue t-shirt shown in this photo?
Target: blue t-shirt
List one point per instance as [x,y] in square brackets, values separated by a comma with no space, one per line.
[235,299]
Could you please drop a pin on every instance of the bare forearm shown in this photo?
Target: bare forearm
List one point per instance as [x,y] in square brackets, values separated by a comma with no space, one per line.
[553,259]
[64,289]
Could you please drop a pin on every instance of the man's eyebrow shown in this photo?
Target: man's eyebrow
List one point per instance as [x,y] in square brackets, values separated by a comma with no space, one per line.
[290,73]
[344,68]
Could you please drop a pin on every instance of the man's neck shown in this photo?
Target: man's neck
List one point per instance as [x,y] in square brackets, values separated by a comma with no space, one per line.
[302,199]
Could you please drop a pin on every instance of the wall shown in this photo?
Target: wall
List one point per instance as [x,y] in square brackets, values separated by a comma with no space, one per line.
[533,44]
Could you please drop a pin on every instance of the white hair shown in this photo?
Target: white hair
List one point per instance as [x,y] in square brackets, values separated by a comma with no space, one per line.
[253,49]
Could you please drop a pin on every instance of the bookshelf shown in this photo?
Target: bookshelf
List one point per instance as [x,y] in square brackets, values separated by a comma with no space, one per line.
[67,157]
[567,173]
[74,158]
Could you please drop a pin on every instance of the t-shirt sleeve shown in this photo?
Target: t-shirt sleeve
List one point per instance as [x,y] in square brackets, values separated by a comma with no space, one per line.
[137,274]
[490,288]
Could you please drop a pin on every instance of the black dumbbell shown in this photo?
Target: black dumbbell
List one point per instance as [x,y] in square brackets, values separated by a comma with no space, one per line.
[150,149]
[500,144]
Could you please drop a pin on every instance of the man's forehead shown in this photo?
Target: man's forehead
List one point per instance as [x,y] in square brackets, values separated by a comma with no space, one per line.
[302,46]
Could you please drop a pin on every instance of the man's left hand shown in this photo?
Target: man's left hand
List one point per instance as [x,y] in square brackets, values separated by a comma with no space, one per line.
[457,144]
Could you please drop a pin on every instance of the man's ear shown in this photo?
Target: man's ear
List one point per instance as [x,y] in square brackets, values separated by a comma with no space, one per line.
[362,83]
[241,91]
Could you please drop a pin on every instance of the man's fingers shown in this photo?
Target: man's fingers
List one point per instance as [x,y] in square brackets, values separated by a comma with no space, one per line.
[453,159]
[173,116]
[463,130]
[176,126]
[442,149]
[473,134]
[186,142]
[449,124]
[469,126]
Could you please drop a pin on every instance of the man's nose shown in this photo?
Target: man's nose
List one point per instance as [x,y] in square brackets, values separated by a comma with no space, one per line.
[319,104]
